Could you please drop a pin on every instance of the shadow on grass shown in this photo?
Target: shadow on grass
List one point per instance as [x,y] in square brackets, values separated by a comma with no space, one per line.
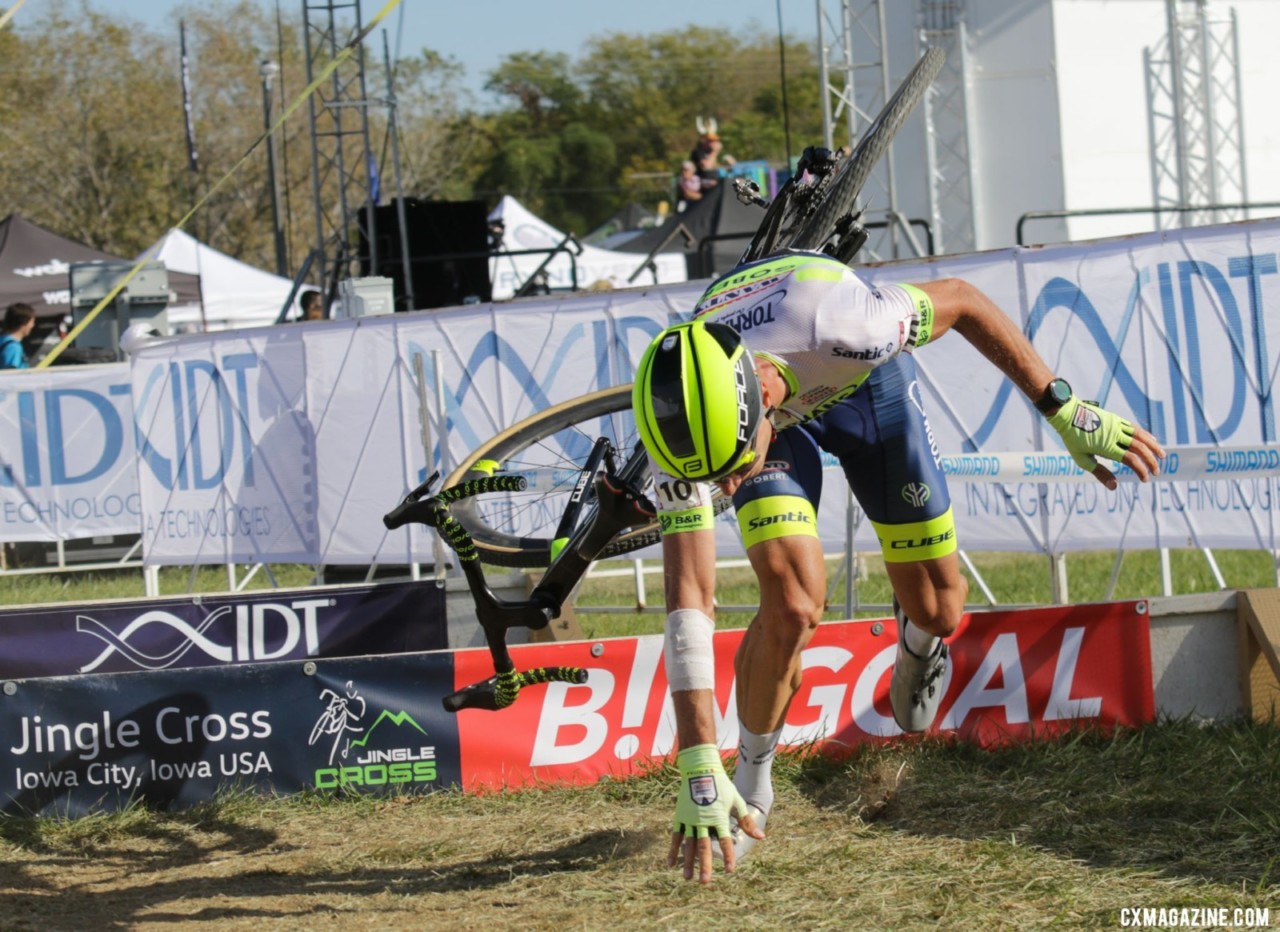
[255,887]
[1184,800]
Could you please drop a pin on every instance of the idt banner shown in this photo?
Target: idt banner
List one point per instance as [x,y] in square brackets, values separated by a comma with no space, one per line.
[1013,675]
[75,745]
[201,631]
[67,460]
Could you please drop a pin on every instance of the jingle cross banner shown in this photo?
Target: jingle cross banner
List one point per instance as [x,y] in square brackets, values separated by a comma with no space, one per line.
[71,745]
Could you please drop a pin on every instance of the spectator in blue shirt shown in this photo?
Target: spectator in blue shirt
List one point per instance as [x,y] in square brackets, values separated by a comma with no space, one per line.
[19,319]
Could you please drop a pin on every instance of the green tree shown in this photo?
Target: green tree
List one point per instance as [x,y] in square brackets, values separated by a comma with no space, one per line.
[85,100]
[643,95]
[94,142]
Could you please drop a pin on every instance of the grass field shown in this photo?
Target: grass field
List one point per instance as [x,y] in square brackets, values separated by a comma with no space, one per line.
[910,834]
[913,833]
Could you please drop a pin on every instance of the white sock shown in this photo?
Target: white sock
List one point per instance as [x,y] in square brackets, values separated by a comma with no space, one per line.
[919,641]
[754,775]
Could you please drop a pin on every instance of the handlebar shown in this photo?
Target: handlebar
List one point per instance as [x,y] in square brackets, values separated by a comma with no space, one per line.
[580,545]
[502,689]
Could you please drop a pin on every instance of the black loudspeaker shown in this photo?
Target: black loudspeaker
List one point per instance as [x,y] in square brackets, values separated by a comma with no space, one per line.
[448,252]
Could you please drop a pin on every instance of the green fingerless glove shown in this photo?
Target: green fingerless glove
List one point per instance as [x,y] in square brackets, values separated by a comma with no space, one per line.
[708,798]
[1089,430]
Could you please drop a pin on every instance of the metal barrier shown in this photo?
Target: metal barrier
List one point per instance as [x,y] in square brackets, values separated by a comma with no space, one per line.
[1121,211]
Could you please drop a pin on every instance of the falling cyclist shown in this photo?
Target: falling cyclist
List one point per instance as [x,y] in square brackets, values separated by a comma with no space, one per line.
[786,357]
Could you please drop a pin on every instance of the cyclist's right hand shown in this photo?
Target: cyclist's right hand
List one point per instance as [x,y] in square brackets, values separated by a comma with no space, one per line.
[707,802]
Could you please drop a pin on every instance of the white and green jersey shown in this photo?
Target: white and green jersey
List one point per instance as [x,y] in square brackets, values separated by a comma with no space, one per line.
[822,326]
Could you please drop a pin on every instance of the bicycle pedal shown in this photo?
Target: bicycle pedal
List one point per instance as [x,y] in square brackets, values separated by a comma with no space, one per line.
[748,192]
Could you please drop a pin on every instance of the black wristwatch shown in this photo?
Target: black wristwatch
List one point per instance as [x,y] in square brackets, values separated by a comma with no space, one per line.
[1056,394]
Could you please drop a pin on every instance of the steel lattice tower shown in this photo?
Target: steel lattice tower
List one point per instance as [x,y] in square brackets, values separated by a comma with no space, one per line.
[1194,117]
[949,136]
[341,155]
[856,91]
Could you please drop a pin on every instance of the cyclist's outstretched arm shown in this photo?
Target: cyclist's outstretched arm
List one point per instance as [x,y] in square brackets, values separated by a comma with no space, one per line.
[1086,429]
[688,560]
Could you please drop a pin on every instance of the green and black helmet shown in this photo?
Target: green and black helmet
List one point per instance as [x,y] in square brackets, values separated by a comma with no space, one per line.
[697,400]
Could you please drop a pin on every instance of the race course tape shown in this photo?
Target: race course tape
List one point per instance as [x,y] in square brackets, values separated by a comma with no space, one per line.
[345,53]
[8,15]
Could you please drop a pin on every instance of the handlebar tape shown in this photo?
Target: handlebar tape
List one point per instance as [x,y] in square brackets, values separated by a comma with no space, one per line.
[482,485]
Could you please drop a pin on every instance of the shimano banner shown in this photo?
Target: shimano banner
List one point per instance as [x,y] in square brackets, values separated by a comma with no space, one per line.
[67,465]
[290,444]
[201,631]
[74,745]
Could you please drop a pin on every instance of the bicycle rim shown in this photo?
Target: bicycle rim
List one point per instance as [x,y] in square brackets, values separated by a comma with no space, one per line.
[548,449]
[844,188]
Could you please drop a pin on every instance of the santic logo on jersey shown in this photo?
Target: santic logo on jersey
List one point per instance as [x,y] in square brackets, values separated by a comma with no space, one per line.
[871,353]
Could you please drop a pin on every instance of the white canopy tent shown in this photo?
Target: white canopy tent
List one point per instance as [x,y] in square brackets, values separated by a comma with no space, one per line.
[524,230]
[234,293]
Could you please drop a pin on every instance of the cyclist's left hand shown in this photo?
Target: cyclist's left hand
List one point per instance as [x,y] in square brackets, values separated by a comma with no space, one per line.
[1089,430]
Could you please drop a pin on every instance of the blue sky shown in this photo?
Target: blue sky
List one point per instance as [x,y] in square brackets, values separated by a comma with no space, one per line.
[479,33]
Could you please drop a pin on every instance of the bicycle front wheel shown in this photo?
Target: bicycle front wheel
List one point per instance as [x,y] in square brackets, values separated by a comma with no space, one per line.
[843,189]
[548,450]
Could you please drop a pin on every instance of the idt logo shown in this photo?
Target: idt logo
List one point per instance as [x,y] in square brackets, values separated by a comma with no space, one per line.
[201,412]
[66,435]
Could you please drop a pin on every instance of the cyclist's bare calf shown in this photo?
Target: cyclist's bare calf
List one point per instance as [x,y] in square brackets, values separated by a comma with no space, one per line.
[932,593]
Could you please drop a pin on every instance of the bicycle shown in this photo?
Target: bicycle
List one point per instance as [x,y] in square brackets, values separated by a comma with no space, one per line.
[546,470]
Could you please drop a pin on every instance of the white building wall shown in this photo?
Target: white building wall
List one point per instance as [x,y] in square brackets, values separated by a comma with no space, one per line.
[1015,103]
[1101,78]
[1106,161]
[1059,107]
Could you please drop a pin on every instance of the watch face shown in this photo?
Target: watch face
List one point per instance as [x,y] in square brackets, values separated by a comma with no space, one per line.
[1060,391]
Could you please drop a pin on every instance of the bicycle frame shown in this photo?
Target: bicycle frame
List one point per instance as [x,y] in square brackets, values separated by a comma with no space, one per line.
[613,504]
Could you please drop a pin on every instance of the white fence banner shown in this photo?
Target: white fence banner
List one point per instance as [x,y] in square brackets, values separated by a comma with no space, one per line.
[291,443]
[67,464]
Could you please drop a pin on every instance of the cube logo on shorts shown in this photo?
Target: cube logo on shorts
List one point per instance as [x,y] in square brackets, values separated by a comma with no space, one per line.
[703,790]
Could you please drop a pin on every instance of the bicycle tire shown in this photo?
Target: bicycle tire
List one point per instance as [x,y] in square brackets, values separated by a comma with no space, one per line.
[507,528]
[852,174]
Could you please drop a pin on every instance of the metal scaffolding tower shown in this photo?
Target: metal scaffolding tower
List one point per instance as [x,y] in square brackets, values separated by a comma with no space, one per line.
[342,178]
[949,133]
[1194,117]
[857,91]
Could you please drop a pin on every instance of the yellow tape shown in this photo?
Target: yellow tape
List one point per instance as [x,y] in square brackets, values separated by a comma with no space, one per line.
[8,15]
[345,53]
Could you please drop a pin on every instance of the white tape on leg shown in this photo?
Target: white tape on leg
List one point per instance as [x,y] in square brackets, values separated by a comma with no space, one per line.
[688,650]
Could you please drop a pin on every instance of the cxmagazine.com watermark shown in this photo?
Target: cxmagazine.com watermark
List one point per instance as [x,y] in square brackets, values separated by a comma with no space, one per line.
[1196,917]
